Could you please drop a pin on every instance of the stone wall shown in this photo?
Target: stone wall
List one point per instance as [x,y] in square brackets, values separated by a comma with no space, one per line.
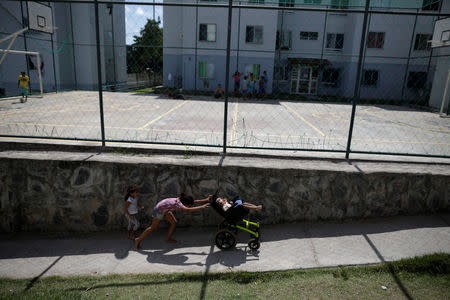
[84,192]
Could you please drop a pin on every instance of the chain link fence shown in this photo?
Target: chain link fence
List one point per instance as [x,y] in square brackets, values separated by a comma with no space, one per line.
[334,76]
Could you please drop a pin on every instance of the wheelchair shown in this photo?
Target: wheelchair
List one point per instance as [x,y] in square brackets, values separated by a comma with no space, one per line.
[235,219]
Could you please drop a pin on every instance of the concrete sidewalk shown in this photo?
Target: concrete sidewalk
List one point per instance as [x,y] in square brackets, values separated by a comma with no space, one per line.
[289,246]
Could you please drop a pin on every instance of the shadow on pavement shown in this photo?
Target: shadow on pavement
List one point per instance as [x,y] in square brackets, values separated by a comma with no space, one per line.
[23,245]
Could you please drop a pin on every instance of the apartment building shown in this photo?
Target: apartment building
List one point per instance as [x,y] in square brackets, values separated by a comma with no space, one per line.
[304,52]
[195,43]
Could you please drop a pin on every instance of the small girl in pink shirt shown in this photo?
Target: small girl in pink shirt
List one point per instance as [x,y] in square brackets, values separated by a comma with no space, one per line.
[164,209]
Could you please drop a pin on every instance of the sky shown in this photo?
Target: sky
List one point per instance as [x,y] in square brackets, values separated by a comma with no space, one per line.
[136,17]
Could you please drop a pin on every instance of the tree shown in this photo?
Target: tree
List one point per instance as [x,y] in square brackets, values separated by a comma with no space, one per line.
[146,53]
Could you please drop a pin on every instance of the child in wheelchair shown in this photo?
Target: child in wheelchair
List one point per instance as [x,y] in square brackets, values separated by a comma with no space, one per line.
[234,213]
[229,204]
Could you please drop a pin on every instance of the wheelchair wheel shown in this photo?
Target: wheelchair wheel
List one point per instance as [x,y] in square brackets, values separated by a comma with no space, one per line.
[225,239]
[254,244]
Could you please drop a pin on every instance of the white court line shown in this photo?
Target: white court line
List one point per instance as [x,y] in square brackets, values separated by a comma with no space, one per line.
[303,119]
[164,114]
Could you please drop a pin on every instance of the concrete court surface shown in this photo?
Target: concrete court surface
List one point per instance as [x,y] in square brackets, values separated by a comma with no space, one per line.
[251,123]
[287,246]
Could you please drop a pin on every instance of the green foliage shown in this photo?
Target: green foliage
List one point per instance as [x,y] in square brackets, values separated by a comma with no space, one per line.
[121,150]
[146,53]
[188,153]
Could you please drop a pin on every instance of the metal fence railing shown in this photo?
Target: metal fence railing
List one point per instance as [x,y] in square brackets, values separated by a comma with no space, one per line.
[334,76]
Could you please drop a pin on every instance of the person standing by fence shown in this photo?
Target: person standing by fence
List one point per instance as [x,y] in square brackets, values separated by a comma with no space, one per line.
[237,82]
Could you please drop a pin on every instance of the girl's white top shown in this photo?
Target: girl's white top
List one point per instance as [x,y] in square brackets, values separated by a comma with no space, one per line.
[132,208]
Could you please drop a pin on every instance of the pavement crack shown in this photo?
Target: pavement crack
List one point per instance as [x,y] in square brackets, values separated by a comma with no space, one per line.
[313,249]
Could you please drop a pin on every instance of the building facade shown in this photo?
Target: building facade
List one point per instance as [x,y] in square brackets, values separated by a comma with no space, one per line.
[310,53]
[69,53]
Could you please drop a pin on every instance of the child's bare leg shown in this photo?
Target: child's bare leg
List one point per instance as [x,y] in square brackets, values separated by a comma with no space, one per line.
[173,223]
[252,206]
[147,231]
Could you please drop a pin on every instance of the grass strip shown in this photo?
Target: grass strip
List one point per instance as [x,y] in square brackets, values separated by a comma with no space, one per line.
[425,277]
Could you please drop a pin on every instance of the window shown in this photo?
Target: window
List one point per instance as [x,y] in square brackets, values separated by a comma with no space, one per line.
[313,1]
[286,3]
[421,42]
[284,42]
[207,32]
[254,34]
[417,80]
[430,4]
[252,68]
[206,70]
[375,40]
[309,35]
[335,41]
[281,73]
[330,76]
[256,1]
[339,3]
[370,77]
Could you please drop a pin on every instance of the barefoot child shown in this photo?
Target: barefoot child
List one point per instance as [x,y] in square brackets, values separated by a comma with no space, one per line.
[131,210]
[164,209]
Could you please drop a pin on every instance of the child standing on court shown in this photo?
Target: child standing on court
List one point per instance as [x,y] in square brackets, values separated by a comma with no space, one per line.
[131,210]
[266,80]
[23,85]
[164,209]
[245,87]
[237,82]
[251,85]
[261,91]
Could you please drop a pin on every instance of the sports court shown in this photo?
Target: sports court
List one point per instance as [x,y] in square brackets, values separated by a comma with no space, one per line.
[136,117]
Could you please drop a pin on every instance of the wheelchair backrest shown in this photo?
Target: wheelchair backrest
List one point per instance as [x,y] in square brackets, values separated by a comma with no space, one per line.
[233,214]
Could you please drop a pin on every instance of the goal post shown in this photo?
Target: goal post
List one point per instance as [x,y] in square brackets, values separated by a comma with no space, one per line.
[38,67]
[40,20]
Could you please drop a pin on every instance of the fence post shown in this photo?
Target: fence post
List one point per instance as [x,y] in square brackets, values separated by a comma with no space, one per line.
[99,74]
[358,78]
[73,47]
[196,41]
[54,64]
[409,58]
[227,76]
[444,97]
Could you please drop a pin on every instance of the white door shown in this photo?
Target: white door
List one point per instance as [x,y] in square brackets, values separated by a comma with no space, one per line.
[304,80]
